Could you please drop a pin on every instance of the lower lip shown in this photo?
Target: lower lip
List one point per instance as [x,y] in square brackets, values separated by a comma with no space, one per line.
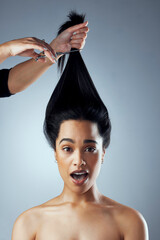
[79,182]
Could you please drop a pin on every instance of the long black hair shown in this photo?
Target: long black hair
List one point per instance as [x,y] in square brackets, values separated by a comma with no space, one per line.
[75,96]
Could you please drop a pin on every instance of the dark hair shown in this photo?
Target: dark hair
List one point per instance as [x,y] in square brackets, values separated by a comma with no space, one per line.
[75,97]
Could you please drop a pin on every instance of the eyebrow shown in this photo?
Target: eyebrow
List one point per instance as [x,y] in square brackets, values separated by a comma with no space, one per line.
[67,139]
[89,141]
[72,141]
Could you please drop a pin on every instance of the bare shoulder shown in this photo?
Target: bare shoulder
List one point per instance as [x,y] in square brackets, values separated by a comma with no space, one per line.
[26,224]
[130,221]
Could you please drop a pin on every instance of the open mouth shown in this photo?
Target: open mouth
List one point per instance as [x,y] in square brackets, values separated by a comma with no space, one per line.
[79,177]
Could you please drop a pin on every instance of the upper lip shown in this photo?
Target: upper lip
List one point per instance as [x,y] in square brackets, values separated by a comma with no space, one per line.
[79,171]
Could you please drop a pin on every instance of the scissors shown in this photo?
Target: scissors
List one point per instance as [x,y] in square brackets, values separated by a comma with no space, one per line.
[42,55]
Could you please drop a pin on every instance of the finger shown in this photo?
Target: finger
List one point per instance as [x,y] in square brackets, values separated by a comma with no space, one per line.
[49,55]
[35,57]
[79,36]
[39,47]
[77,27]
[46,45]
[77,44]
[79,41]
[85,30]
[43,44]
[47,52]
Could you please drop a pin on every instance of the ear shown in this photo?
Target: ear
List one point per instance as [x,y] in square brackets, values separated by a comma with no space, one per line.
[103,153]
[55,154]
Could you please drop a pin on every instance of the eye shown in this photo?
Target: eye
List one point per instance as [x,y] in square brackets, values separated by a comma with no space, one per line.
[67,149]
[90,149]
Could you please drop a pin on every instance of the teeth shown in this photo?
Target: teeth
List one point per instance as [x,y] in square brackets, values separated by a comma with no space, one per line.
[79,176]
[80,173]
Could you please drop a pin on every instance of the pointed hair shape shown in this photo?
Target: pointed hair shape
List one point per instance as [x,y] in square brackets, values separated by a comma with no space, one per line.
[74,19]
[75,97]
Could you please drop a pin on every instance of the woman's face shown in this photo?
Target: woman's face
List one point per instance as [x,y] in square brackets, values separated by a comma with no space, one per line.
[79,147]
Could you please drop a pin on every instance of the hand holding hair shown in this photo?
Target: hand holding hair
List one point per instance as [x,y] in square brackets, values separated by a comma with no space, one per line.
[72,37]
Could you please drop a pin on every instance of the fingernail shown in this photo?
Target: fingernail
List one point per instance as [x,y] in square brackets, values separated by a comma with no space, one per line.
[86,23]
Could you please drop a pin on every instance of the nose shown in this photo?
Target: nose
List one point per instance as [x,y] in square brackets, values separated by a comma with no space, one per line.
[78,159]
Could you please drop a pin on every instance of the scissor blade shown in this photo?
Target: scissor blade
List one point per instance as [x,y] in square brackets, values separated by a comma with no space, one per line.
[76,50]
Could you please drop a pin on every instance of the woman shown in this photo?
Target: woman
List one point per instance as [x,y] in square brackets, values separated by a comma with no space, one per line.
[78,128]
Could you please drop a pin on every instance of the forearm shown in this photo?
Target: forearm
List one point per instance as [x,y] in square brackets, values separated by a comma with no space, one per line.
[4,52]
[24,74]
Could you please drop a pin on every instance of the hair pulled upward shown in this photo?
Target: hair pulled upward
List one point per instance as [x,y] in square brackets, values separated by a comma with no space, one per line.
[74,19]
[75,96]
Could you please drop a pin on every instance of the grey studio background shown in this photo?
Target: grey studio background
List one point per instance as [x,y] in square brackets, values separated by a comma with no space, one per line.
[122,54]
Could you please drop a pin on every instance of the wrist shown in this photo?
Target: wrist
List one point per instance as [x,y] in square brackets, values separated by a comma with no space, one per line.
[55,47]
[53,44]
[5,50]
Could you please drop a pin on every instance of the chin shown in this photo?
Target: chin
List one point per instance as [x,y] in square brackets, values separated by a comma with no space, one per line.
[83,188]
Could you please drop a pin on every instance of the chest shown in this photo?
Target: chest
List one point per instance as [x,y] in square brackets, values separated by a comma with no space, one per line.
[95,226]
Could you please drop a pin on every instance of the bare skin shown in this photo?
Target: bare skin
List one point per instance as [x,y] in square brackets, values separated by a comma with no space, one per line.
[80,212]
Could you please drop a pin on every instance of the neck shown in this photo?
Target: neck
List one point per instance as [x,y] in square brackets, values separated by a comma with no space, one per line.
[92,195]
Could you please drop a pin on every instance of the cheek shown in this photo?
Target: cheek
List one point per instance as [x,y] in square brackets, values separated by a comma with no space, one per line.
[60,162]
[63,164]
[60,157]
[94,161]
[95,157]
[62,170]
